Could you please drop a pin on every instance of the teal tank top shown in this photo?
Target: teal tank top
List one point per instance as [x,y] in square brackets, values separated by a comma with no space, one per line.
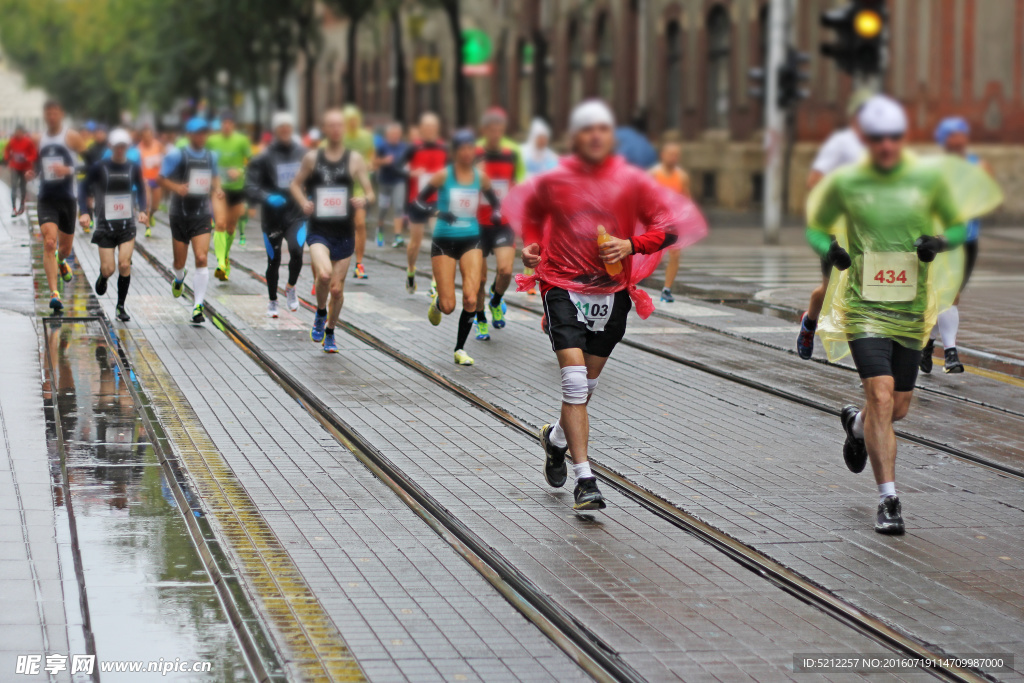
[461,200]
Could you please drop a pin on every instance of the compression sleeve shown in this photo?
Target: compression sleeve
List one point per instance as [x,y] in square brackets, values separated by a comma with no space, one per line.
[491,198]
[91,176]
[140,187]
[423,199]
[652,241]
[819,240]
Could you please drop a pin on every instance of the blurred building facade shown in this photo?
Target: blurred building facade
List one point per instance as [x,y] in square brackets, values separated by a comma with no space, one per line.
[681,67]
[19,104]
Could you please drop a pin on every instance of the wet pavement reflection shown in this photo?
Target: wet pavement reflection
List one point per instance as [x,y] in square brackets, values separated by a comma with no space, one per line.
[148,594]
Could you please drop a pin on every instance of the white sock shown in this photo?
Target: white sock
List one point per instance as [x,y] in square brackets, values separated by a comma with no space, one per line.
[885,490]
[179,274]
[582,470]
[199,281]
[858,425]
[557,436]
[949,324]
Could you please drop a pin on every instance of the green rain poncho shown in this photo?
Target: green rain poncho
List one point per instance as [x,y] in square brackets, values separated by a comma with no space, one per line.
[877,216]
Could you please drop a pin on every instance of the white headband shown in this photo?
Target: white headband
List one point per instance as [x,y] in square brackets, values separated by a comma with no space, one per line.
[282,118]
[590,113]
[882,115]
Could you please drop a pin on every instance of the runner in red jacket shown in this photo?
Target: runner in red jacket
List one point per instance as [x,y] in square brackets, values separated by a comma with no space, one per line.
[20,155]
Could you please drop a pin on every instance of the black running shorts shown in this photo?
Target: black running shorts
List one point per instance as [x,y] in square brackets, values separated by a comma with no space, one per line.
[63,212]
[495,238]
[970,258]
[184,228]
[108,239]
[567,331]
[234,197]
[881,357]
[454,248]
[416,215]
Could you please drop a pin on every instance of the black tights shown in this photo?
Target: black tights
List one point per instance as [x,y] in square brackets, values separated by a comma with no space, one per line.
[295,234]
[18,181]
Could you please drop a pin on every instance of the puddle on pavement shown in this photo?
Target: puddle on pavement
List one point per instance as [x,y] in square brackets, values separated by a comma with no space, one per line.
[148,594]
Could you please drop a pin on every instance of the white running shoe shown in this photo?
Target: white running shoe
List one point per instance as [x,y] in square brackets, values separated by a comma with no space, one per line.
[272,309]
[293,298]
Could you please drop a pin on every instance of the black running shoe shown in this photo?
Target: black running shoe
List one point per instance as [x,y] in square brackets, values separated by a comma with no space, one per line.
[122,314]
[100,286]
[855,453]
[555,469]
[926,356]
[890,517]
[588,497]
[953,364]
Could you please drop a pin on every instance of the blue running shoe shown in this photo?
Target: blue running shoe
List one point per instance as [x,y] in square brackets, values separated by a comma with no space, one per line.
[497,312]
[380,238]
[329,345]
[805,340]
[482,331]
[319,323]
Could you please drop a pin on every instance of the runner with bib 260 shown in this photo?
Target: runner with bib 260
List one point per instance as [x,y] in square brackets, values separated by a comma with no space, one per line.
[457,235]
[323,187]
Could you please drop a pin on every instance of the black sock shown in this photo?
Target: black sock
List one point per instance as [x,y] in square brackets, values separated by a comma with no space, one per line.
[322,312]
[123,282]
[495,297]
[328,330]
[465,324]
[101,285]
[481,317]
[810,324]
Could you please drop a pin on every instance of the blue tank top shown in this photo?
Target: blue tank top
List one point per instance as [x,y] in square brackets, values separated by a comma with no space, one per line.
[461,200]
[973,225]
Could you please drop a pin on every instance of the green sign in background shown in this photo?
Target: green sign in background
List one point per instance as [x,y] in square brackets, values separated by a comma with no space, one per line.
[476,46]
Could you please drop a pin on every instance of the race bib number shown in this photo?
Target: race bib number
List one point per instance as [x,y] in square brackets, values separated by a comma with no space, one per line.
[593,310]
[199,181]
[117,207]
[50,166]
[285,173]
[889,276]
[463,203]
[331,202]
[500,188]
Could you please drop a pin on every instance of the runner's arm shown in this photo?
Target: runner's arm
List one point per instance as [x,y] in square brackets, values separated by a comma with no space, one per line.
[359,170]
[140,188]
[85,191]
[299,181]
[422,202]
[255,176]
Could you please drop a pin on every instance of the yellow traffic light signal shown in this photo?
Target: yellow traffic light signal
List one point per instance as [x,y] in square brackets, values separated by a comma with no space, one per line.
[867,24]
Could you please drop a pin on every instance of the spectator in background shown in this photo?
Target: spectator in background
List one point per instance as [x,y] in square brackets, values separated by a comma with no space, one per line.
[632,143]
[391,176]
[20,155]
[537,155]
[671,176]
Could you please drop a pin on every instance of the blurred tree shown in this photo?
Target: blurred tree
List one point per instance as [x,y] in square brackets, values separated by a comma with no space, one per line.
[355,11]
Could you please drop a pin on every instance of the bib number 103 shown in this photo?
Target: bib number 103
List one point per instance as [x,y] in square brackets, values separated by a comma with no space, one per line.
[593,310]
[890,277]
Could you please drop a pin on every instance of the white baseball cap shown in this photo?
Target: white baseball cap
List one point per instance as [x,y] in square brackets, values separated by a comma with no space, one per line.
[282,118]
[119,136]
[590,113]
[882,115]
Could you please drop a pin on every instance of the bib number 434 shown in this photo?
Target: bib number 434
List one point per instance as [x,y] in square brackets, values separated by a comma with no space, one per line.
[890,277]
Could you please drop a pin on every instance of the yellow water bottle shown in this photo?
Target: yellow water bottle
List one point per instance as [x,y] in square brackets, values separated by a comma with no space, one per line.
[602,237]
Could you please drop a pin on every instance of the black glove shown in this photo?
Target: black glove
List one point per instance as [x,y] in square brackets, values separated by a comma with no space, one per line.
[838,256]
[447,217]
[496,218]
[928,247]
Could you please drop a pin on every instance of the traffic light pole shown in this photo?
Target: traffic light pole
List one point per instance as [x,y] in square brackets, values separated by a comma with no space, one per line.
[775,121]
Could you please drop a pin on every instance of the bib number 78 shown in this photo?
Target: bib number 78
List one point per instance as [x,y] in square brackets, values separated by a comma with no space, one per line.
[889,277]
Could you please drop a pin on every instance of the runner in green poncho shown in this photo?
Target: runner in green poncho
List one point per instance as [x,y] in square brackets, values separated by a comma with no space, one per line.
[891,225]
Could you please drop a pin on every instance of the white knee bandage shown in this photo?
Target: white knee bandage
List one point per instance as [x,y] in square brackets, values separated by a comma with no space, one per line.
[591,386]
[574,384]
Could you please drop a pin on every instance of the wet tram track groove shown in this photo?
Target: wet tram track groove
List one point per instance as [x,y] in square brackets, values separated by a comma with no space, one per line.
[952,451]
[745,555]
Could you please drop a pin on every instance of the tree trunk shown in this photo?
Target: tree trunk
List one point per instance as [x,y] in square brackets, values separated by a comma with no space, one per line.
[310,78]
[281,99]
[461,112]
[399,55]
[540,81]
[350,61]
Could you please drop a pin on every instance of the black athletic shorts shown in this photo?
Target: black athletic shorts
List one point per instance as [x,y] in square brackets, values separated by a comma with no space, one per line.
[63,212]
[108,239]
[455,248]
[184,228]
[970,257]
[234,197]
[826,268]
[416,215]
[881,357]
[496,237]
[567,331]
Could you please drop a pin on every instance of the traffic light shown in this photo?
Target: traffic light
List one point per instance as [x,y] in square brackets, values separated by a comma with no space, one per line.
[792,77]
[860,36]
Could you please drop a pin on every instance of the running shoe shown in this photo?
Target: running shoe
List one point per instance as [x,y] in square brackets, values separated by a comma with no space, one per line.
[483,332]
[855,453]
[197,314]
[71,259]
[410,284]
[805,339]
[64,267]
[890,517]
[497,312]
[380,238]
[149,231]
[329,344]
[953,364]
[272,309]
[433,287]
[927,357]
[399,242]
[462,358]
[666,296]
[319,323]
[55,304]
[434,313]
[555,469]
[360,272]
[178,286]
[293,298]
[122,314]
[219,274]
[100,286]
[587,495]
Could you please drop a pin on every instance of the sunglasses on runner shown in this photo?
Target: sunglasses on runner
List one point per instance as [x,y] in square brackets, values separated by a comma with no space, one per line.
[879,138]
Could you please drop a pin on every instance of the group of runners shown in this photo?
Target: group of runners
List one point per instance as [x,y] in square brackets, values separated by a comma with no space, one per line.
[888,226]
